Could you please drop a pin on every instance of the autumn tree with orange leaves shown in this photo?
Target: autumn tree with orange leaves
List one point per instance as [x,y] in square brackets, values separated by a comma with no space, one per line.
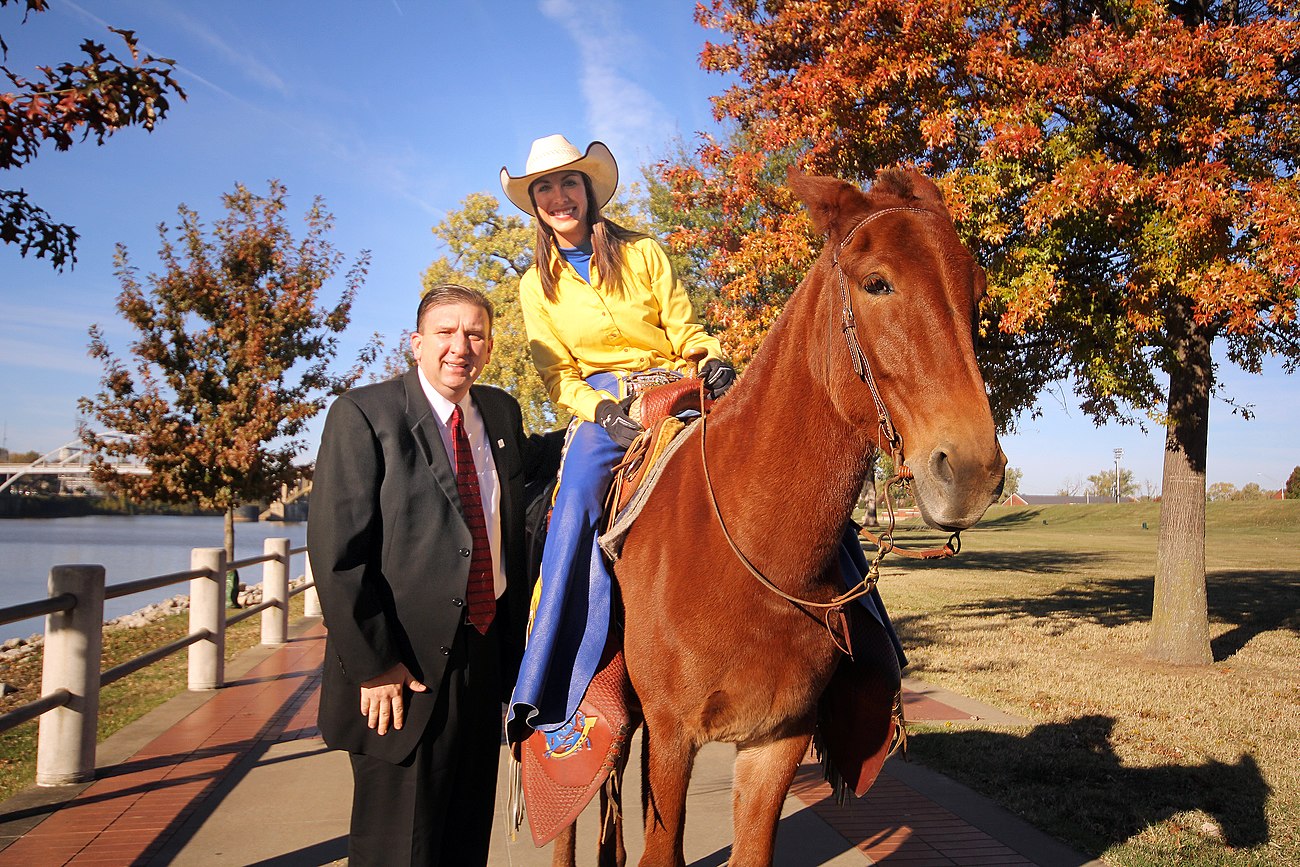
[56,106]
[1124,171]
[231,358]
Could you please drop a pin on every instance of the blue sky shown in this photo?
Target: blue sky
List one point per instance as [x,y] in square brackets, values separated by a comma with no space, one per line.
[394,111]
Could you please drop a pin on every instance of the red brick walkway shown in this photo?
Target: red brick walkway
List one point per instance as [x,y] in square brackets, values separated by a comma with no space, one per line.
[132,811]
[137,807]
[893,821]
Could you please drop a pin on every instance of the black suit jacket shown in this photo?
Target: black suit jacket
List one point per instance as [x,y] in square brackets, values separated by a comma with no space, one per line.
[389,549]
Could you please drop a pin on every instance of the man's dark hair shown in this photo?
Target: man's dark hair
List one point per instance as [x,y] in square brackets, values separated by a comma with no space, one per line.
[451,293]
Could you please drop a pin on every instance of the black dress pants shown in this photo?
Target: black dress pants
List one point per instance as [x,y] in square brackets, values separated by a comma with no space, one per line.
[436,807]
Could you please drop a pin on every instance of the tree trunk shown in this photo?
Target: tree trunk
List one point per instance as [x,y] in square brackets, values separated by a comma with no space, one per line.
[1180,624]
[232,575]
[868,496]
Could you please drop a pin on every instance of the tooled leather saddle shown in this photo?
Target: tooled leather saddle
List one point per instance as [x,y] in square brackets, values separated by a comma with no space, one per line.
[657,410]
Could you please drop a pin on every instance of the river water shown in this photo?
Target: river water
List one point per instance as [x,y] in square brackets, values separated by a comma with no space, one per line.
[129,547]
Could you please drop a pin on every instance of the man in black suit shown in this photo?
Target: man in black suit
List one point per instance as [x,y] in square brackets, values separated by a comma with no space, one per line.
[424,632]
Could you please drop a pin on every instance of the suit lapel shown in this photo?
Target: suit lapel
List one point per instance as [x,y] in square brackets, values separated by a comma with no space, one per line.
[428,438]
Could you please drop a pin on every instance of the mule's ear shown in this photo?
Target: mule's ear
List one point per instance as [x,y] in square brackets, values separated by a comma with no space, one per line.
[824,197]
[926,189]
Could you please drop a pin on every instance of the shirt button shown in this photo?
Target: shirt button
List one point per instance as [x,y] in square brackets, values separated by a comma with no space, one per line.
[464,552]
[457,601]
[444,650]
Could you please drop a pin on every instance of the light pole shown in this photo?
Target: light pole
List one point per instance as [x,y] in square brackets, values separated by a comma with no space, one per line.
[1119,453]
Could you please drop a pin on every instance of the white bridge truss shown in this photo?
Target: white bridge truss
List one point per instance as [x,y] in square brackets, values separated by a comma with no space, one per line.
[69,461]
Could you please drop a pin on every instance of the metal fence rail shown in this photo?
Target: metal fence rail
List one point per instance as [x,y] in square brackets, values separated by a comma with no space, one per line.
[24,610]
[74,620]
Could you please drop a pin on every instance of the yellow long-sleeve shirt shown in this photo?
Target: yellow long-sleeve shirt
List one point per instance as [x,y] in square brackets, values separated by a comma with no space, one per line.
[587,330]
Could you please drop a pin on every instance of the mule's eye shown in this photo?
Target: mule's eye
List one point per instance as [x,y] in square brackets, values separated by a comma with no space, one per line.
[877,285]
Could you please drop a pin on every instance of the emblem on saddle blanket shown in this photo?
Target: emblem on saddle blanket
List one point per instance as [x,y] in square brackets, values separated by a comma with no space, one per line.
[574,735]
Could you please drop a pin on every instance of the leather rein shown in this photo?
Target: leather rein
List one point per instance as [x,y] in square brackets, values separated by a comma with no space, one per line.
[887,431]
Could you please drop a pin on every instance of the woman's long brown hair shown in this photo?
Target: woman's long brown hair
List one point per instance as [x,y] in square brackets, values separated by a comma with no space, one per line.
[607,240]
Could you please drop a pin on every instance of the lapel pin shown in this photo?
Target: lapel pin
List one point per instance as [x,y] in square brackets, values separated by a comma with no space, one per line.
[501,444]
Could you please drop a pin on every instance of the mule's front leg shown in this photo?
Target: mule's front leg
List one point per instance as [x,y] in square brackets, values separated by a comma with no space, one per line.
[763,776]
[666,761]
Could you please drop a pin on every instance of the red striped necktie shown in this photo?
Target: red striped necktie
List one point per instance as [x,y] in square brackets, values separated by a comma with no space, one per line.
[482,588]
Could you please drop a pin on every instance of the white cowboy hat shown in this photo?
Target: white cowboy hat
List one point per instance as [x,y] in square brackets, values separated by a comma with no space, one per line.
[553,153]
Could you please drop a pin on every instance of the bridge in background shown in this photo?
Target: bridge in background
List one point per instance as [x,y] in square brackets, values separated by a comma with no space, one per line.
[70,463]
[292,504]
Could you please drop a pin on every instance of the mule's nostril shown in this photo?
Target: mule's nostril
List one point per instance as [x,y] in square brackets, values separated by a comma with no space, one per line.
[940,467]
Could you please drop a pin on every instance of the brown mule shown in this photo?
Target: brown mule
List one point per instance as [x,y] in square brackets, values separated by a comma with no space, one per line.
[873,351]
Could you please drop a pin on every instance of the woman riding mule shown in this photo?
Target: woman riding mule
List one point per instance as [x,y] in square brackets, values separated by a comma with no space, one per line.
[580,332]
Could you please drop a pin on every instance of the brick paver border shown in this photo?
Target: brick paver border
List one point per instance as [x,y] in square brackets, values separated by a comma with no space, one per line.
[134,808]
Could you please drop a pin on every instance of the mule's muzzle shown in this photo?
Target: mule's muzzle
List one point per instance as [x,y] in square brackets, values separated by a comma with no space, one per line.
[956,485]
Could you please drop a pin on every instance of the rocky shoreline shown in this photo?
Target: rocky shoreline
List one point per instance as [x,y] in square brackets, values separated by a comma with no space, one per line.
[248,596]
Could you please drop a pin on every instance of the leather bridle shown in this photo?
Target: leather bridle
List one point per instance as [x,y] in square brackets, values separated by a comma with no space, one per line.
[888,433]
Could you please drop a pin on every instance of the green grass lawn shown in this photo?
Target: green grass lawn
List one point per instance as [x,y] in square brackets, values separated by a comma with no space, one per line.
[1045,614]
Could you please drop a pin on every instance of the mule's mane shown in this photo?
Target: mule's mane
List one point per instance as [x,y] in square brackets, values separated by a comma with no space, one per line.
[894,182]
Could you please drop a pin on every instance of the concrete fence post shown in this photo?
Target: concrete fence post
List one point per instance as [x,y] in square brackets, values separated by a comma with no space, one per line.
[275,588]
[310,601]
[74,642]
[207,658]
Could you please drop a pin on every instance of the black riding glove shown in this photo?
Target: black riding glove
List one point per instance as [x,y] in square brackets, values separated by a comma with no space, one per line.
[617,423]
[718,376]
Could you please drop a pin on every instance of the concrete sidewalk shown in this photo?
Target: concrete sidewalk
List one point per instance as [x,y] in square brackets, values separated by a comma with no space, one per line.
[239,776]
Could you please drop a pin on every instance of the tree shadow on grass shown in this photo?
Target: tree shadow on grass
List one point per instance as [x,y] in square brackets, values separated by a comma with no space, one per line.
[1066,779]
[1012,520]
[1250,602]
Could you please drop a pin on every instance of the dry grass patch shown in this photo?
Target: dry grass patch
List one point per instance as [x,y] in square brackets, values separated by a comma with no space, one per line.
[1045,615]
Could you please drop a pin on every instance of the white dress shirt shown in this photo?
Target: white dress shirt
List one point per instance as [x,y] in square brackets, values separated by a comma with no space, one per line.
[489,485]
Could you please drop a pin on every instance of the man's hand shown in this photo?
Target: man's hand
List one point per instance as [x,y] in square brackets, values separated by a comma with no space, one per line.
[382,698]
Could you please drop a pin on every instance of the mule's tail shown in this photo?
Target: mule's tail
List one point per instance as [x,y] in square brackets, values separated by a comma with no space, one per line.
[645,774]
